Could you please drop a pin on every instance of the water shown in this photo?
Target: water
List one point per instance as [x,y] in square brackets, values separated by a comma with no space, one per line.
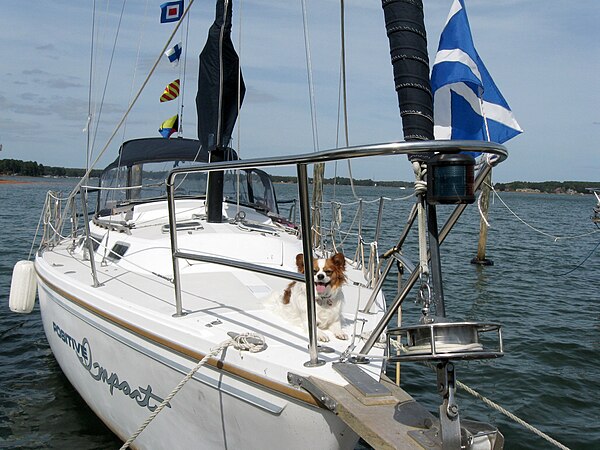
[550,375]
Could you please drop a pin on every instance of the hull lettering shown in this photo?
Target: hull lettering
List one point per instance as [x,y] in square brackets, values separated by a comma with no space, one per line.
[144,397]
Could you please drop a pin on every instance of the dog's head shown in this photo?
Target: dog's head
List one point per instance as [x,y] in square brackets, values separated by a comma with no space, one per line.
[328,273]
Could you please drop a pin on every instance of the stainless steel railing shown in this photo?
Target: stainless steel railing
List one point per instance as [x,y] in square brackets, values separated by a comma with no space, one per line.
[55,217]
[301,162]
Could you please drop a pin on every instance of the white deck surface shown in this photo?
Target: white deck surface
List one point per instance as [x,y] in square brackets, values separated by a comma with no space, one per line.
[216,299]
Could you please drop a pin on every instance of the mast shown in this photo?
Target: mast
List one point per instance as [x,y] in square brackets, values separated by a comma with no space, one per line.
[220,94]
[405,28]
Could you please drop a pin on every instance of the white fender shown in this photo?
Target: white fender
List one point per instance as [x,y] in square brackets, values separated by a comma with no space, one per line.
[23,288]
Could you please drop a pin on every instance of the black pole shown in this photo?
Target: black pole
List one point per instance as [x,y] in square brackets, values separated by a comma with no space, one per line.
[436,263]
[214,199]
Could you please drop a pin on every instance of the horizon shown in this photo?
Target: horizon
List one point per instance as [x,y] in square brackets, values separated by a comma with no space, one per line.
[326,178]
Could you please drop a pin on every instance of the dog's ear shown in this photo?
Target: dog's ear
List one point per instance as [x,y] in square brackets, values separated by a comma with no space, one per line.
[300,262]
[339,260]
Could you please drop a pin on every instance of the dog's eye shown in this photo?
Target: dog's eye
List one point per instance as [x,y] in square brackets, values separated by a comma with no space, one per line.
[328,272]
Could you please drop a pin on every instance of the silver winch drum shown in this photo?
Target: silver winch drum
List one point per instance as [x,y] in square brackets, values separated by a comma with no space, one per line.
[444,340]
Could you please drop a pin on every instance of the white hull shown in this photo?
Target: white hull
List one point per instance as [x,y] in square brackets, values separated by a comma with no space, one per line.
[124,351]
[125,377]
[128,317]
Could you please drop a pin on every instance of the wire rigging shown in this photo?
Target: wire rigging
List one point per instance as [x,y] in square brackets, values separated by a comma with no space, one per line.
[112,55]
[133,102]
[556,238]
[313,110]
[581,263]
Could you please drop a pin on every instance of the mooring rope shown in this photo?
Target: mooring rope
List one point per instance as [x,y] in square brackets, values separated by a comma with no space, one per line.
[37,230]
[399,346]
[510,415]
[421,191]
[247,341]
[556,238]
[479,208]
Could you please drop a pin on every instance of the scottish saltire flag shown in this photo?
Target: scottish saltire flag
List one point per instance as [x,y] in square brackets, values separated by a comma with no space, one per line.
[467,104]
[171,11]
[173,54]
[169,126]
[171,91]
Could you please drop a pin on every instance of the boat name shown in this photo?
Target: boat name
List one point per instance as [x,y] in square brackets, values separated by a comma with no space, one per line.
[144,397]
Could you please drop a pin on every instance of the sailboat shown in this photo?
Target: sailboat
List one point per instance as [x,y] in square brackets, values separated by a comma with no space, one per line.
[157,307]
[596,209]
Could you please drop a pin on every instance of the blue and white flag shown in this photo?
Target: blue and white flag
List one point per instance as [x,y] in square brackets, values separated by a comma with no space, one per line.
[467,104]
[173,54]
[171,11]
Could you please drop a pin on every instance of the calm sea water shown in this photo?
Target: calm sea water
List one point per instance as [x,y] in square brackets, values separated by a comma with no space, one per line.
[539,288]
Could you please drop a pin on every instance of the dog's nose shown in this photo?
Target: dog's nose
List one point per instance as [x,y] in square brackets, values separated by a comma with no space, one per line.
[320,276]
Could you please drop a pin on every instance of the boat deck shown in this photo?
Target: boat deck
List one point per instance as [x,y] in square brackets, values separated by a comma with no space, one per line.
[216,300]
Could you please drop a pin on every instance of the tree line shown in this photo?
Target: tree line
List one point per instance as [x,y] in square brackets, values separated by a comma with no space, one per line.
[345,181]
[554,187]
[33,169]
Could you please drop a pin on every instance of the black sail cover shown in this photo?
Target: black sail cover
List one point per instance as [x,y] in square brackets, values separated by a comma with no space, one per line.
[405,28]
[218,88]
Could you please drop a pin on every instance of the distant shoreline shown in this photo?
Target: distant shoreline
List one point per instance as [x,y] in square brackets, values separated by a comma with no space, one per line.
[525,187]
[14,182]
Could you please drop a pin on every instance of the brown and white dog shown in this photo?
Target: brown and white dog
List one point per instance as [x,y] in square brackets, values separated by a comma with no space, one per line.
[329,277]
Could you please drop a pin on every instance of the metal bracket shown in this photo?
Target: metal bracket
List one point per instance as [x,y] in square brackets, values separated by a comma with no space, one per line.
[449,417]
[314,390]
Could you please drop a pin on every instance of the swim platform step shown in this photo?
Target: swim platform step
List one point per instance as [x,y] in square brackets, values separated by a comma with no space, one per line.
[383,414]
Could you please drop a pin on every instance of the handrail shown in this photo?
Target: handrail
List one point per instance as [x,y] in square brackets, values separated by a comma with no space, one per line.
[293,276]
[301,161]
[88,236]
[450,222]
[361,151]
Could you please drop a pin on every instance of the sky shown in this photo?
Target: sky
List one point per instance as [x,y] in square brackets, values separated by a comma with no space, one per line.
[544,56]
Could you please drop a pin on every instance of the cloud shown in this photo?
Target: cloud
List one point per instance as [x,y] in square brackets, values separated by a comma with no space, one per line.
[64,83]
[539,53]
[34,72]
[45,47]
[259,96]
